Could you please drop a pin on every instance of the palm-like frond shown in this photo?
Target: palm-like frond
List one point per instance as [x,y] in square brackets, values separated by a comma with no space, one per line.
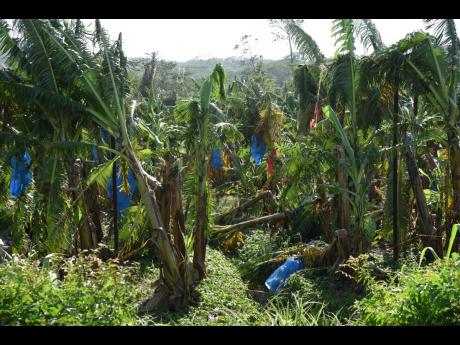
[343,30]
[29,94]
[9,48]
[444,30]
[135,231]
[447,37]
[378,71]
[429,66]
[18,140]
[305,82]
[21,221]
[52,217]
[39,50]
[305,43]
[373,106]
[101,174]
[368,33]
[103,110]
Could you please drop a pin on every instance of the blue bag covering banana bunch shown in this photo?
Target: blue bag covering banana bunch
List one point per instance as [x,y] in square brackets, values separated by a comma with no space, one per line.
[266,134]
[20,175]
[124,198]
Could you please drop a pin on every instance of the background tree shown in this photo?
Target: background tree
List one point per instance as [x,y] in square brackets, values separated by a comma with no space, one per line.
[282,32]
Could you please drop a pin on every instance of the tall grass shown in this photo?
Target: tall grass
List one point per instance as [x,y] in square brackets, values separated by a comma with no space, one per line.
[299,312]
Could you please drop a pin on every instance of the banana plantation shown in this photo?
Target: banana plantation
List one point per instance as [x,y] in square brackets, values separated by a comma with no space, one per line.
[134,194]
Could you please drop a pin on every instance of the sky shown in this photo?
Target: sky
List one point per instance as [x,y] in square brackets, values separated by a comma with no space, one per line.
[186,39]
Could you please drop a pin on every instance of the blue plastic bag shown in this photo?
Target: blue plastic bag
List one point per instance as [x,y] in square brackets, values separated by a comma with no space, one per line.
[94,152]
[216,159]
[280,276]
[20,175]
[123,199]
[258,149]
[104,135]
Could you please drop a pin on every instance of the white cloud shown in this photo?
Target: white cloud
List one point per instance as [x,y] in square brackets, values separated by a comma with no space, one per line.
[184,39]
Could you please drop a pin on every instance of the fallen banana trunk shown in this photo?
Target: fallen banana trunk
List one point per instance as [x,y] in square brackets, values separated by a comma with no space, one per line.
[235,211]
[227,230]
[5,254]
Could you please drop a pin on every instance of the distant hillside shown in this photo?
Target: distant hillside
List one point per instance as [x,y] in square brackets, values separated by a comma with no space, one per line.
[278,70]
[202,68]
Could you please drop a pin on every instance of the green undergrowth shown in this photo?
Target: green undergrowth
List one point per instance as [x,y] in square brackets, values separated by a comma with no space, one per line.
[335,294]
[86,291]
[81,290]
[259,246]
[368,289]
[221,298]
[426,296]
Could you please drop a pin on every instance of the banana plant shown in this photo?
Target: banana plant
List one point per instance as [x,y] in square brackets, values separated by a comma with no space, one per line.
[356,170]
[44,88]
[199,115]
[429,67]
[443,94]
[106,106]
[389,72]
[345,83]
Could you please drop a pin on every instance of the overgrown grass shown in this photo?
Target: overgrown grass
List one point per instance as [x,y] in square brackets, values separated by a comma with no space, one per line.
[221,298]
[299,311]
[334,294]
[416,296]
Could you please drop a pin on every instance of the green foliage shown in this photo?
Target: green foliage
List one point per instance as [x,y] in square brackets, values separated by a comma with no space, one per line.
[101,174]
[449,252]
[427,296]
[90,293]
[370,36]
[453,235]
[259,247]
[300,312]
[329,292]
[135,230]
[63,83]
[370,229]
[343,32]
